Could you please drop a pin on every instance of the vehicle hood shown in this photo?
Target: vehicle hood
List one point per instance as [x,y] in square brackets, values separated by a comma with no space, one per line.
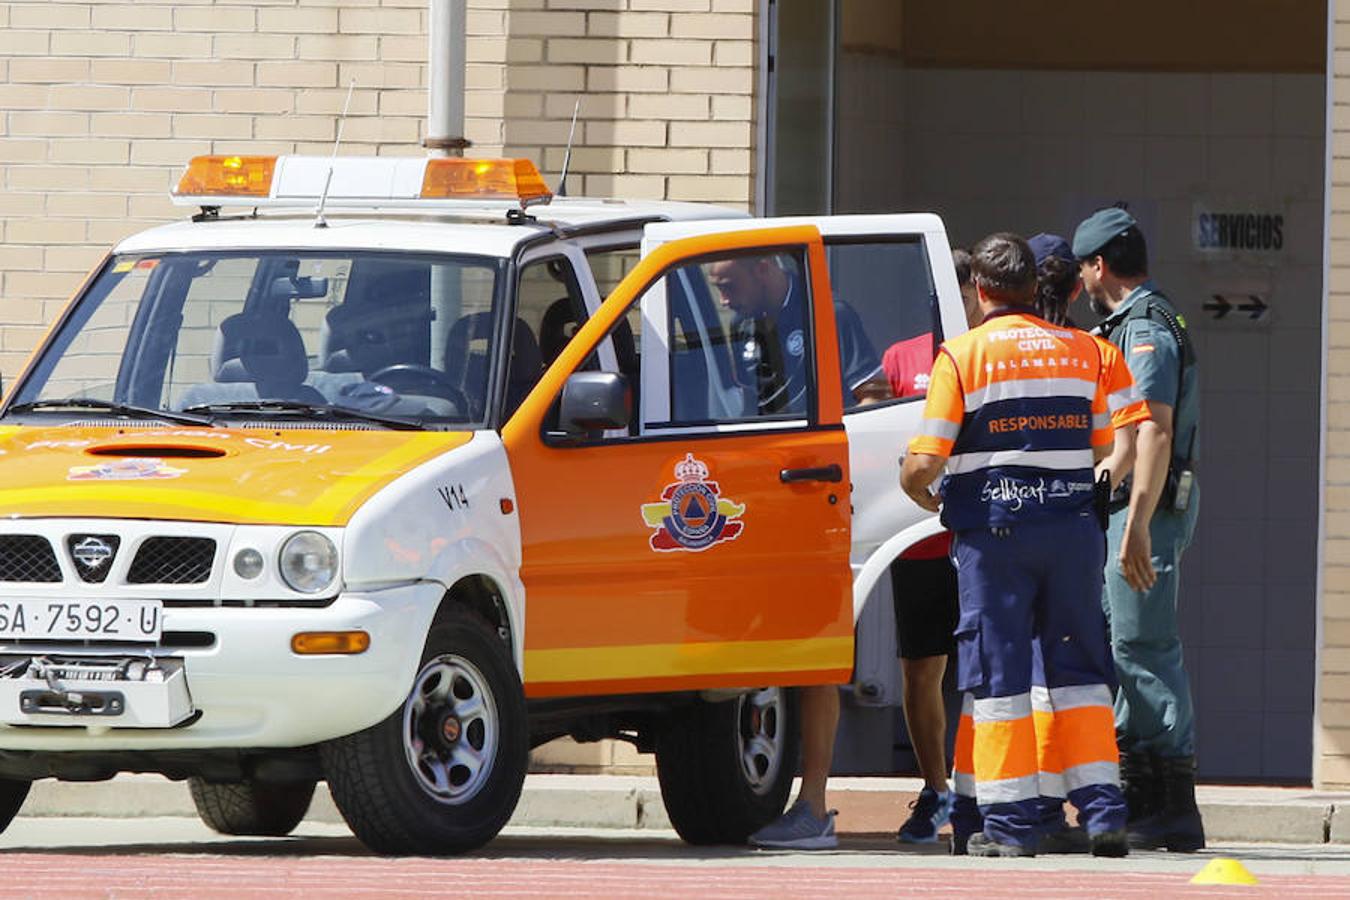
[241,476]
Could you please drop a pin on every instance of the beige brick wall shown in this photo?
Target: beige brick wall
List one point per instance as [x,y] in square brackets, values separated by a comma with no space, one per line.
[666,88]
[102,101]
[1332,741]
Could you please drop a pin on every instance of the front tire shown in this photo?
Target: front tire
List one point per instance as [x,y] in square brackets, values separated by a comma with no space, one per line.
[12,794]
[251,807]
[443,773]
[726,768]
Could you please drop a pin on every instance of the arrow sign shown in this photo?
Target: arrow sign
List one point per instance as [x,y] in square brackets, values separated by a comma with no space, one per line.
[1254,306]
[1219,306]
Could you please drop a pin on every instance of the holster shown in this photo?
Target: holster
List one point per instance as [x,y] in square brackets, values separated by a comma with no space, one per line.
[1101,498]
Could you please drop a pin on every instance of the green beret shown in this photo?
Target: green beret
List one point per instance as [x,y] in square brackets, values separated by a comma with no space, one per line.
[1096,230]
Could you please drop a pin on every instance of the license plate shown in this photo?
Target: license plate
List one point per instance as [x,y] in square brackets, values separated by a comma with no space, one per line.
[94,620]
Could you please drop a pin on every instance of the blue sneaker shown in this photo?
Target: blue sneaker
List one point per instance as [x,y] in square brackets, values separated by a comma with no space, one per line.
[798,829]
[931,812]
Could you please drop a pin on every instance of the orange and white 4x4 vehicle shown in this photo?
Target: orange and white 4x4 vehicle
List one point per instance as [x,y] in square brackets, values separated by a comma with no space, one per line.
[355,477]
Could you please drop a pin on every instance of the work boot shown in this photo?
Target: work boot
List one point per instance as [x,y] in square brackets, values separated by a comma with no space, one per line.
[1064,840]
[1113,843]
[1177,826]
[1141,785]
[983,845]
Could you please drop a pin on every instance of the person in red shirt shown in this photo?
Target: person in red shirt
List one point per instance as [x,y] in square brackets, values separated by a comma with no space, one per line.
[907,363]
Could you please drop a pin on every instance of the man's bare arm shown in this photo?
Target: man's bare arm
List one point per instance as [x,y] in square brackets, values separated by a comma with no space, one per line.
[1120,458]
[873,390]
[1153,452]
[917,475]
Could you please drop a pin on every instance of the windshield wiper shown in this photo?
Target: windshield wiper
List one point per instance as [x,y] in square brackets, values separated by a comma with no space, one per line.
[305,410]
[117,409]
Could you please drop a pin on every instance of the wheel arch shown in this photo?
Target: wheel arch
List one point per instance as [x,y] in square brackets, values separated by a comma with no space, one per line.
[878,563]
[478,577]
[482,595]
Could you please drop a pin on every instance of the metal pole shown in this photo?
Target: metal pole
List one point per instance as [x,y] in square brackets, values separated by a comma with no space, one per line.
[445,78]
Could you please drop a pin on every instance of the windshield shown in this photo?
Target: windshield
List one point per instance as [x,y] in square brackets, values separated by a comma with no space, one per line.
[277,334]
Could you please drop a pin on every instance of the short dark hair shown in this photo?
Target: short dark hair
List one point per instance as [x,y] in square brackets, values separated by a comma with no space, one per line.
[1005,268]
[961,259]
[1126,254]
[1055,281]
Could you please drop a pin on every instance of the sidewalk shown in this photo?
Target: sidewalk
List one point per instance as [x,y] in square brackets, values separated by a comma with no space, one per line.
[866,805]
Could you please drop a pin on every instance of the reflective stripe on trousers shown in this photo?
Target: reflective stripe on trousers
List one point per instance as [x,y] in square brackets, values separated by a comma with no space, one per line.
[1078,704]
[1073,748]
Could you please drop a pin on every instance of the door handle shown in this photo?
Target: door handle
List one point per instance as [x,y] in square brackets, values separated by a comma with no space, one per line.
[833,473]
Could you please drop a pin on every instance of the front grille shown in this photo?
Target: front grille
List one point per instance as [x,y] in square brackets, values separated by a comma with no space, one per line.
[27,557]
[173,560]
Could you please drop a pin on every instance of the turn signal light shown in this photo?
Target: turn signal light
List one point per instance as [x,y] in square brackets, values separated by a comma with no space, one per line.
[228,176]
[449,178]
[314,643]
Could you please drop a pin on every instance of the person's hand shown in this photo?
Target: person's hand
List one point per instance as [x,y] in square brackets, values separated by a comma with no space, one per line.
[926,499]
[1136,557]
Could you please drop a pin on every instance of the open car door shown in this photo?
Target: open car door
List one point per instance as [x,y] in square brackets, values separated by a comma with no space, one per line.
[699,539]
[896,300]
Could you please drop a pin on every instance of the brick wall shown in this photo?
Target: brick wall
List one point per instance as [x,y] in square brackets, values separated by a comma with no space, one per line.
[666,87]
[1332,766]
[101,103]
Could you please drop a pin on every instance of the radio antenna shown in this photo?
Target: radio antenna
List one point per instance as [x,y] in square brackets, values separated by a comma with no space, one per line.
[319,220]
[567,157]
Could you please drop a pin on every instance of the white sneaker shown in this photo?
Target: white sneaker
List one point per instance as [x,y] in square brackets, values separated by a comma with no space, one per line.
[798,829]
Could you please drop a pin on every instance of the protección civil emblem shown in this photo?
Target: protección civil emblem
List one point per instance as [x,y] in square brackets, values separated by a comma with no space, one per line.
[692,514]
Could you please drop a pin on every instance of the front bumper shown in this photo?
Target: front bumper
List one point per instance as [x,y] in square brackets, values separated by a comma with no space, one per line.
[252,691]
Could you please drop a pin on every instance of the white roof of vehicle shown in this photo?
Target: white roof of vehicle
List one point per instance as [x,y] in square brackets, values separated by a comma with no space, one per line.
[480,232]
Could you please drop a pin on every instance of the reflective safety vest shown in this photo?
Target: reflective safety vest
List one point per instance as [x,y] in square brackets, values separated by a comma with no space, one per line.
[1016,406]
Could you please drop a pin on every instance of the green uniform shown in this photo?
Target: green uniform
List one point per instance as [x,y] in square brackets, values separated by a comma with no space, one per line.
[1153,707]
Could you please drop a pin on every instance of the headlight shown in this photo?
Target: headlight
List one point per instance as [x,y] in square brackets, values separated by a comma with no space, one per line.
[308,562]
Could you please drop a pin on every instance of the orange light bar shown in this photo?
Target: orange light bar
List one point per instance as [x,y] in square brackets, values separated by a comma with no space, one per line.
[312,643]
[228,176]
[504,179]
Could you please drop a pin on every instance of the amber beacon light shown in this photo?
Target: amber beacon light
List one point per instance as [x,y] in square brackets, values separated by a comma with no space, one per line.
[504,179]
[228,176]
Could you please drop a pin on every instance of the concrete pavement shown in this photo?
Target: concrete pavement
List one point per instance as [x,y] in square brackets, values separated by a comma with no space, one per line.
[866,805]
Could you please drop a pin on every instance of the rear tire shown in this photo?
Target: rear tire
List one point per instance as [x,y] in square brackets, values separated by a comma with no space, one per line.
[251,807]
[443,773]
[726,768]
[12,794]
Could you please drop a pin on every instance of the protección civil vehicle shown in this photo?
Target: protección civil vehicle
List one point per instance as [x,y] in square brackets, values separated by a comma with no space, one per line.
[380,472]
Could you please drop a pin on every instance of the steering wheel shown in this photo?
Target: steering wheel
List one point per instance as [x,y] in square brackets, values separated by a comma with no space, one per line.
[407,377]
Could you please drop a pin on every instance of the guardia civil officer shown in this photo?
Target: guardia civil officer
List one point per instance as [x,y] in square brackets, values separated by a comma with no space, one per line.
[1018,411]
[1151,526]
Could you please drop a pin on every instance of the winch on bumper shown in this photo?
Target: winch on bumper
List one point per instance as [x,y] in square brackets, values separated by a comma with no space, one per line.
[128,691]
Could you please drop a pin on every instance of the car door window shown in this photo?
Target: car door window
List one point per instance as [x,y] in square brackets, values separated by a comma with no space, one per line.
[549,310]
[889,287]
[740,339]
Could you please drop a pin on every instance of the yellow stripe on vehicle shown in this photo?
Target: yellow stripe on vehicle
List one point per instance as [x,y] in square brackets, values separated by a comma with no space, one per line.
[658,660]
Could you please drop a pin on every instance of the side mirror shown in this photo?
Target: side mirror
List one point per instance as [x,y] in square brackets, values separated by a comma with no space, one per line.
[595,401]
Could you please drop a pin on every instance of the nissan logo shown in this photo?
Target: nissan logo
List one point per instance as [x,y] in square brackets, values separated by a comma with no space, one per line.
[92,552]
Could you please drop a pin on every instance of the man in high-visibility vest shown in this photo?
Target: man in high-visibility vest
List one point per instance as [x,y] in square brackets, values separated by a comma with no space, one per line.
[1018,412]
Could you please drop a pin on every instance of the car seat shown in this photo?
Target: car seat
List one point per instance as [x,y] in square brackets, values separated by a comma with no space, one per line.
[468,348]
[264,348]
